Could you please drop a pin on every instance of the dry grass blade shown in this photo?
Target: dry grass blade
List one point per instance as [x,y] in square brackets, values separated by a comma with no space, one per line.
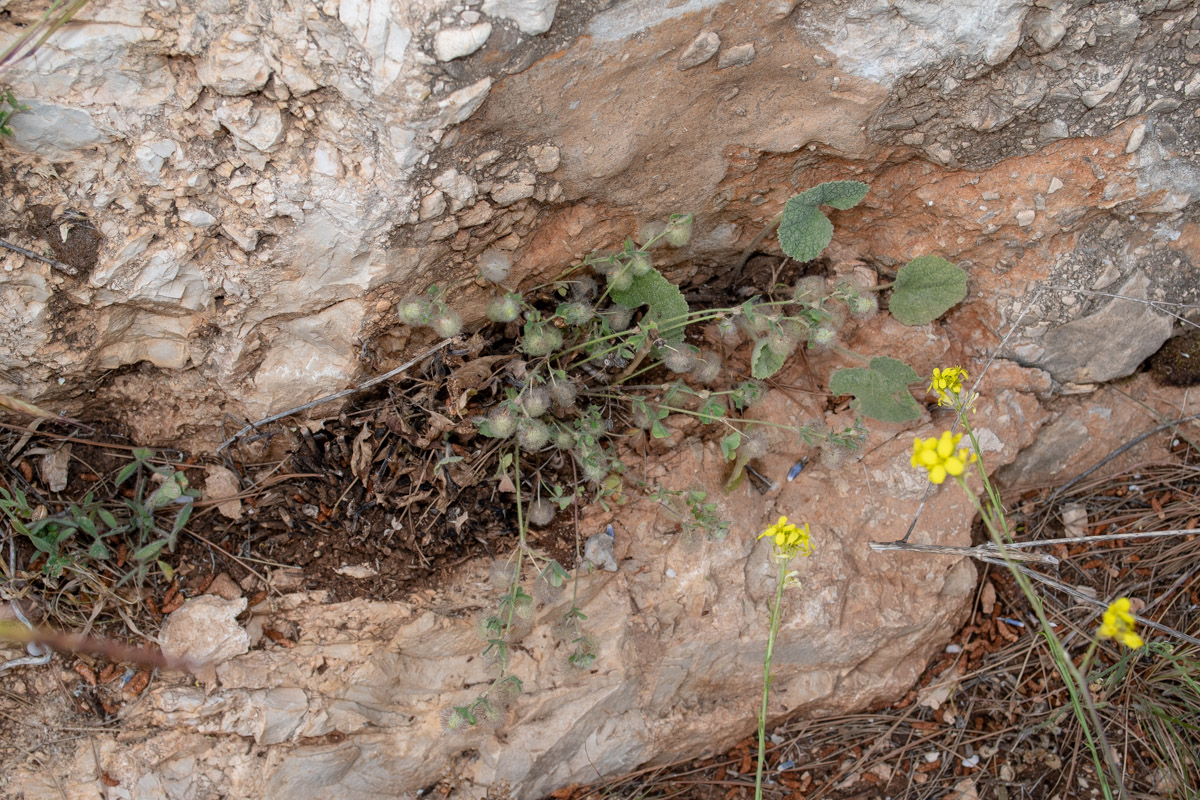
[23,407]
[25,45]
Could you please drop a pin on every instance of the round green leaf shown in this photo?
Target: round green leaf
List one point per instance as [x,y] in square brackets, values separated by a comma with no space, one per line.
[803,230]
[765,362]
[880,389]
[926,288]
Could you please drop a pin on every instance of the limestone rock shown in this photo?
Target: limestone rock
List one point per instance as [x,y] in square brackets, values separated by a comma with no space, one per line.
[453,43]
[204,631]
[531,16]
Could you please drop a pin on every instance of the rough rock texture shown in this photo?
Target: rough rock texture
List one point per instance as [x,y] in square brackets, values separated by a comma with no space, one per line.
[243,188]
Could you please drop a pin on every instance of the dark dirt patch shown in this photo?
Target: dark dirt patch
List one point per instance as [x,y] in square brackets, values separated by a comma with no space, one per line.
[70,236]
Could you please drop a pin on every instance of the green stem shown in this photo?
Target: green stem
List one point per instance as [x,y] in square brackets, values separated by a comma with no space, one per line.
[762,713]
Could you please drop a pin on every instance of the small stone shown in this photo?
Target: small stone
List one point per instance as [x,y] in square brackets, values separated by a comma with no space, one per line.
[1135,139]
[531,16]
[460,188]
[222,486]
[1074,519]
[1135,106]
[224,587]
[1192,86]
[509,193]
[460,105]
[702,48]
[1025,218]
[1053,130]
[432,205]
[736,56]
[1055,185]
[204,632]
[990,195]
[913,139]
[546,158]
[478,214]
[1164,105]
[455,43]
[357,571]
[197,217]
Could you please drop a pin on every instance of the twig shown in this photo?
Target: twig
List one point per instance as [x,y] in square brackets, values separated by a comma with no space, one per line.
[1058,492]
[58,265]
[335,396]
[983,552]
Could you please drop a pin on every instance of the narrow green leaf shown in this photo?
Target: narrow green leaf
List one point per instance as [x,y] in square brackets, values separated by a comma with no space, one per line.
[149,551]
[926,288]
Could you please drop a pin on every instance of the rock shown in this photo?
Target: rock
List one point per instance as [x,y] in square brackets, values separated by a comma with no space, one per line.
[234,65]
[1053,130]
[1088,350]
[546,158]
[1025,218]
[432,205]
[1074,520]
[1135,139]
[222,486]
[53,130]
[224,587]
[460,105]
[701,49]
[1047,28]
[453,43]
[204,632]
[531,16]
[736,56]
[54,468]
[598,551]
[519,189]
[197,217]
[358,571]
[459,187]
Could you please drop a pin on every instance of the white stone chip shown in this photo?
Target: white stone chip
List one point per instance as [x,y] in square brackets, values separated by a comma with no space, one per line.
[531,16]
[205,631]
[455,43]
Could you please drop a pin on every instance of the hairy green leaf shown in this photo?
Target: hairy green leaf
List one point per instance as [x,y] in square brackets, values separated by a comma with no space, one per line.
[729,445]
[804,231]
[667,308]
[926,288]
[880,389]
[765,362]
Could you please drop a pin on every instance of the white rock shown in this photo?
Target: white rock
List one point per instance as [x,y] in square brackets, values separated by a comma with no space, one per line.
[53,130]
[1075,520]
[204,630]
[197,217]
[455,43]
[1025,217]
[232,68]
[1135,139]
[222,486]
[1055,185]
[432,205]
[460,105]
[521,188]
[531,16]
[461,188]
[357,571]
[259,125]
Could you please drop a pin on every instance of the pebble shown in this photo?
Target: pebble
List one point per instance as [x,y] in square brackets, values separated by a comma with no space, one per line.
[1135,139]
[701,49]
[736,56]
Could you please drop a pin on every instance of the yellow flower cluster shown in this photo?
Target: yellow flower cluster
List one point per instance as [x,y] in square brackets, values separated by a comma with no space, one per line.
[787,539]
[947,384]
[1119,624]
[939,456]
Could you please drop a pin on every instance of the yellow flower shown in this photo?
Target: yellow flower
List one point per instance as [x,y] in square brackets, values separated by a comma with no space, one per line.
[788,540]
[939,457]
[1119,624]
[947,384]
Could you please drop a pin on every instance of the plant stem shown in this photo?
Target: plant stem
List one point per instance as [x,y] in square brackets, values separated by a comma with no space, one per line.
[762,713]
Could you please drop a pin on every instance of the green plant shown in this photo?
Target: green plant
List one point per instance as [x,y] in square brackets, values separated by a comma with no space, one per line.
[7,114]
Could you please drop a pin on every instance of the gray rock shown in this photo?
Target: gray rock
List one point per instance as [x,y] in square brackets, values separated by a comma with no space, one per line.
[531,16]
[1110,343]
[702,48]
[546,158]
[736,56]
[598,551]
[1053,130]
[52,130]
[460,105]
[509,193]
[197,217]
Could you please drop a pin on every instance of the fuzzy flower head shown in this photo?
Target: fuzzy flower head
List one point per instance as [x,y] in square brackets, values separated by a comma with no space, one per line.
[947,384]
[788,540]
[1119,624]
[941,456]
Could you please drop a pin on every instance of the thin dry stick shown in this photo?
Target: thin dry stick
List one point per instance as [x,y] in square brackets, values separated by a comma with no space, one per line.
[58,265]
[984,552]
[335,396]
